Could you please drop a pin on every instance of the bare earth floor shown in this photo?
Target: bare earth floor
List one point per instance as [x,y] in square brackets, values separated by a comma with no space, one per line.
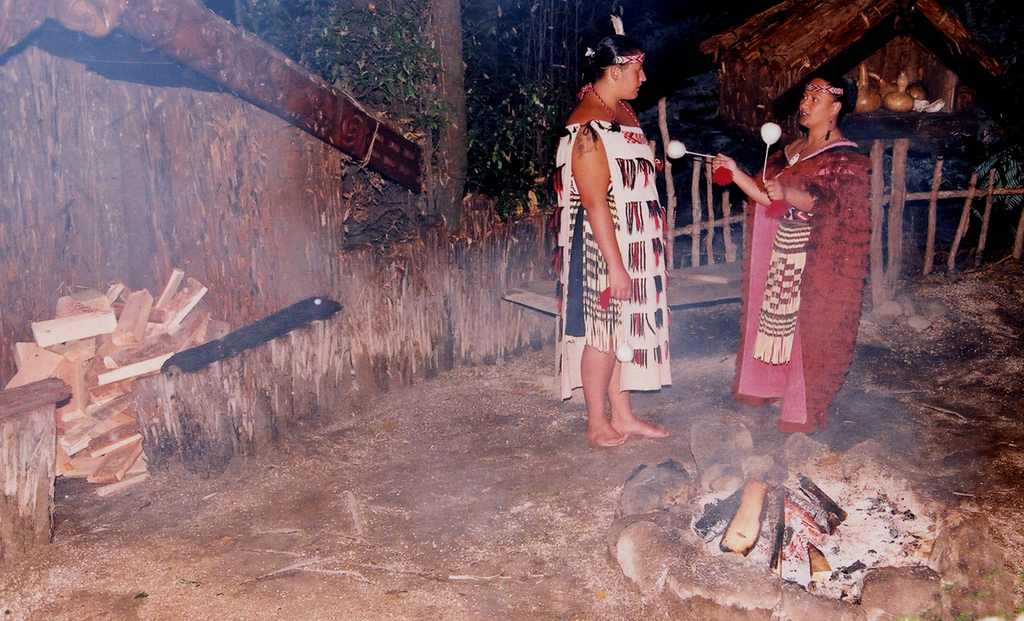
[474,495]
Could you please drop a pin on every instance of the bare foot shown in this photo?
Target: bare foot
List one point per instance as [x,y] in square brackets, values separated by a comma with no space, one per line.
[604,436]
[633,426]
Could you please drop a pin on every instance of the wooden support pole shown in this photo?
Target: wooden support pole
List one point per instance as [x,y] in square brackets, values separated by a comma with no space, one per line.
[1018,243]
[979,257]
[709,240]
[670,186]
[879,292]
[933,207]
[730,245]
[695,199]
[897,201]
[961,229]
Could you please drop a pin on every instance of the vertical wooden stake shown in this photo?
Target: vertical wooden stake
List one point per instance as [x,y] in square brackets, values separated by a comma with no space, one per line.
[710,238]
[933,205]
[879,293]
[695,226]
[897,201]
[978,258]
[730,245]
[670,187]
[1018,242]
[961,229]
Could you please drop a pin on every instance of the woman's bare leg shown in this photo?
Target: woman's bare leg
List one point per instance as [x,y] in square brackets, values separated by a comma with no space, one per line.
[623,419]
[596,371]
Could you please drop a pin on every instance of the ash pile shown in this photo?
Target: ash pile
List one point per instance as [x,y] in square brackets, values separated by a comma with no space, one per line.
[802,533]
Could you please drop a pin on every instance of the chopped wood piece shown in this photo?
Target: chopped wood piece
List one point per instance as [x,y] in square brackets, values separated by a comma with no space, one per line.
[77,437]
[833,514]
[139,467]
[183,302]
[115,291]
[73,373]
[91,299]
[64,329]
[117,463]
[104,426]
[113,440]
[745,527]
[170,288]
[78,466]
[34,364]
[144,367]
[131,326]
[820,569]
[716,518]
[82,349]
[107,490]
[102,394]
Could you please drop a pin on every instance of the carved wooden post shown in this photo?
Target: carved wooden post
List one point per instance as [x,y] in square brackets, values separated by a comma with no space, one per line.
[28,454]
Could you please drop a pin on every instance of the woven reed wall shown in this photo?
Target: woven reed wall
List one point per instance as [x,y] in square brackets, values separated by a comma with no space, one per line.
[105,180]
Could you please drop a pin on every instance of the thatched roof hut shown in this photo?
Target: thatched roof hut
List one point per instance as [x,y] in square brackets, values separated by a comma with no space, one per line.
[763,62]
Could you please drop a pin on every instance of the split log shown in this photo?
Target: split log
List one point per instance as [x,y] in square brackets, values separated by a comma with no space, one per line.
[745,527]
[716,518]
[826,513]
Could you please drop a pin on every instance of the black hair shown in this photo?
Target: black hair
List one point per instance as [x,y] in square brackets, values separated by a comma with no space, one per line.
[849,97]
[602,55]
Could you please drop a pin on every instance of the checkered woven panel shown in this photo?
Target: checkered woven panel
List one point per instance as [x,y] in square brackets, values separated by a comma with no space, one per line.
[777,317]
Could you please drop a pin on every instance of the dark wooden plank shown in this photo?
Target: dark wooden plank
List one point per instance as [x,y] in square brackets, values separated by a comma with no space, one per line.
[33,396]
[687,288]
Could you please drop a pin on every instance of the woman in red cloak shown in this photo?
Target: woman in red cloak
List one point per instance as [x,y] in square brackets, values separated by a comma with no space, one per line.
[805,263]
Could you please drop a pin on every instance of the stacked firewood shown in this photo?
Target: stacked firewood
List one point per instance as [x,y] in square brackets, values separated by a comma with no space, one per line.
[99,343]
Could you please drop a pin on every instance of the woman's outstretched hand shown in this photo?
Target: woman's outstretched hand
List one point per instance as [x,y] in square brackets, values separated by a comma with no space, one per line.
[724,161]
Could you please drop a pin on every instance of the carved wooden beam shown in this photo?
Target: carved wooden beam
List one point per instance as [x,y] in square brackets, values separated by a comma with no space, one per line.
[237,60]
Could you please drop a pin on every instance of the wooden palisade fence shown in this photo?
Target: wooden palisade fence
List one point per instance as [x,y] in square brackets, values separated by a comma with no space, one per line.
[888,204]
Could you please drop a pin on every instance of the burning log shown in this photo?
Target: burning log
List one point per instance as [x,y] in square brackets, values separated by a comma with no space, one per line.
[826,512]
[717,517]
[775,526]
[745,527]
[820,569]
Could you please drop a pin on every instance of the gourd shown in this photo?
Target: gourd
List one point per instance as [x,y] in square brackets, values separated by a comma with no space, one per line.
[899,100]
[868,99]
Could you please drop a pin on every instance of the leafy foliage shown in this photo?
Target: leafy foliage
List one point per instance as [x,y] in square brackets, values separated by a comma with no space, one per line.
[378,51]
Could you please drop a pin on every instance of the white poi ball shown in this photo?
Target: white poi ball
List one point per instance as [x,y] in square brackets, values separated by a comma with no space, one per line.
[624,353]
[770,133]
[676,149]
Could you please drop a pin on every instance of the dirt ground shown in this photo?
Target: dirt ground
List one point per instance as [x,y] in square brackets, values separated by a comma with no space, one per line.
[475,496]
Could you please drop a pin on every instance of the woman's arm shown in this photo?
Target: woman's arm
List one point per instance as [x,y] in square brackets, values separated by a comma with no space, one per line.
[590,170]
[745,182]
[794,196]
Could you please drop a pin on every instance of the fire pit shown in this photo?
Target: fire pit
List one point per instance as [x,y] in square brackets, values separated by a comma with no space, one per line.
[806,534]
